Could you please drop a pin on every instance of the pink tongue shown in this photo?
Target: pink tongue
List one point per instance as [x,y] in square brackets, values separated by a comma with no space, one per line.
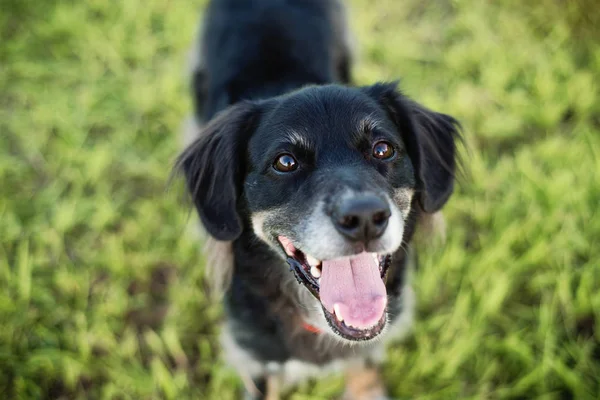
[355,285]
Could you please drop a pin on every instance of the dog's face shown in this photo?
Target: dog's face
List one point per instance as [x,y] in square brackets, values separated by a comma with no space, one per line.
[326,176]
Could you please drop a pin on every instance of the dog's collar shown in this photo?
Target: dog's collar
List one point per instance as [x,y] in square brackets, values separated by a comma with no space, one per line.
[310,328]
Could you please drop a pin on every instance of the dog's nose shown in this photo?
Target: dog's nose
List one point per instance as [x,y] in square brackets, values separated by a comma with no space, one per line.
[362,218]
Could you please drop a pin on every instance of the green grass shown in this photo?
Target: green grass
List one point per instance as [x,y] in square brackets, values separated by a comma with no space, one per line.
[101,284]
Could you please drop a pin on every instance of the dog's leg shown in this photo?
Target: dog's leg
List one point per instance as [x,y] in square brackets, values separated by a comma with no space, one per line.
[363,382]
[254,388]
[273,387]
[263,388]
[252,372]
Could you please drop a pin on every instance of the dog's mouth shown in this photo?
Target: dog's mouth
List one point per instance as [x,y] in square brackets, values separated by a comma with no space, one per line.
[351,289]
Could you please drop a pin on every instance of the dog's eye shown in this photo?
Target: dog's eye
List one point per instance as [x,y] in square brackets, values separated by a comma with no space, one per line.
[383,150]
[285,163]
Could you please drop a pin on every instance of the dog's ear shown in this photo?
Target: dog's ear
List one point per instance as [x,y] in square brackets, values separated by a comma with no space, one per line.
[214,172]
[430,138]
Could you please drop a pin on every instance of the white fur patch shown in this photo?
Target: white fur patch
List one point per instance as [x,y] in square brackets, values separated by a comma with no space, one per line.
[322,240]
[190,131]
[431,228]
[258,222]
[403,198]
[239,358]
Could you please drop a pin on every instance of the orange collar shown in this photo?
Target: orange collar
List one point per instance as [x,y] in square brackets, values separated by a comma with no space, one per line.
[310,328]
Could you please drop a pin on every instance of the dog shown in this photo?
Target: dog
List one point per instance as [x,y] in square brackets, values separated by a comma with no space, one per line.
[310,191]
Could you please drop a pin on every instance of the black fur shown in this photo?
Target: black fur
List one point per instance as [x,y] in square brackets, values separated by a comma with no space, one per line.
[259,56]
[237,149]
[263,48]
[432,149]
[214,168]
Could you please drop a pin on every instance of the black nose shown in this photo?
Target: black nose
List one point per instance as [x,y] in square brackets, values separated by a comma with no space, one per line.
[362,218]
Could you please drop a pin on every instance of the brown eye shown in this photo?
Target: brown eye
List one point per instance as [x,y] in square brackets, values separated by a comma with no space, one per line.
[285,163]
[383,150]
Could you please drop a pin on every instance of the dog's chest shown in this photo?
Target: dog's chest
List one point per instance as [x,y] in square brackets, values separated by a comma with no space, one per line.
[274,331]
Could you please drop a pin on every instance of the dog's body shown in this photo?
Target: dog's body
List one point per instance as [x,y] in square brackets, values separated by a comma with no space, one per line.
[330,179]
[257,49]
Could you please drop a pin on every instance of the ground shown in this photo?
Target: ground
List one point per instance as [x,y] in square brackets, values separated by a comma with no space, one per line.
[102,292]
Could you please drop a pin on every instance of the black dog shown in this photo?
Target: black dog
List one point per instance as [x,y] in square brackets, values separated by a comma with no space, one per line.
[311,192]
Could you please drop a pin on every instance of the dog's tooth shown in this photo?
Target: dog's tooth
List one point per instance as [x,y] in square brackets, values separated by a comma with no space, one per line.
[375,257]
[316,272]
[313,262]
[337,312]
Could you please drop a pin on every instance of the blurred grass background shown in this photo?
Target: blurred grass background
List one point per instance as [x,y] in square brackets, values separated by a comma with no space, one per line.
[101,287]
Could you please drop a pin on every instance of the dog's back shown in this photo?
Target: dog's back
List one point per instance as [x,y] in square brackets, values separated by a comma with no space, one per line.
[255,49]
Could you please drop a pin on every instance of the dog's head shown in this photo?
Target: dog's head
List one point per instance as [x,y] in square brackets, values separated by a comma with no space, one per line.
[327,176]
